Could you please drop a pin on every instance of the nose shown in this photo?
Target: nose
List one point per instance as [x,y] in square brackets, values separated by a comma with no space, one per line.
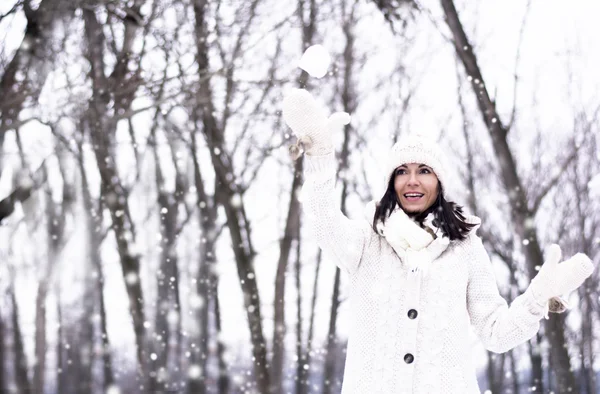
[413,180]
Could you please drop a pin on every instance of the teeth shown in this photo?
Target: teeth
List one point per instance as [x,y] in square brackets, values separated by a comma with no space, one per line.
[413,195]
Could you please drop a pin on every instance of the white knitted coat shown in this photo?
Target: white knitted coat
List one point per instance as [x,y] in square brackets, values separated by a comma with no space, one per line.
[409,328]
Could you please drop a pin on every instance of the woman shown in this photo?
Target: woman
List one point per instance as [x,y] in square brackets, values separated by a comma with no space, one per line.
[419,274]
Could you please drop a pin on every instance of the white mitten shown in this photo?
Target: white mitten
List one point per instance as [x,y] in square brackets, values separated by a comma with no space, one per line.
[554,279]
[310,124]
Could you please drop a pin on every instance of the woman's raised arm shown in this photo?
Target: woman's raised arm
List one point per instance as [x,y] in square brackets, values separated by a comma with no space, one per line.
[337,235]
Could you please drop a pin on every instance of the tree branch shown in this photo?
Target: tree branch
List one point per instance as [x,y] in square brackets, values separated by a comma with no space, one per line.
[14,9]
[552,181]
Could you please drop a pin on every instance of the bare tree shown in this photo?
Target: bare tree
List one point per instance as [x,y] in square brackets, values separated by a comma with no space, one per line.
[587,222]
[111,97]
[23,189]
[207,282]
[56,214]
[30,66]
[168,272]
[62,368]
[95,234]
[349,104]
[3,384]
[229,191]
[301,365]
[308,355]
[307,13]
[22,381]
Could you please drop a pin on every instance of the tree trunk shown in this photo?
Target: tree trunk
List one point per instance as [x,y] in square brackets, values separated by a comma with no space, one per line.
[206,284]
[309,342]
[223,381]
[55,228]
[514,372]
[85,334]
[39,368]
[520,213]
[20,361]
[3,385]
[229,195]
[167,280]
[587,343]
[25,75]
[584,243]
[102,123]
[93,233]
[107,371]
[330,353]
[349,103]
[495,372]
[308,19]
[292,228]
[537,373]
[300,382]
[200,354]
[61,370]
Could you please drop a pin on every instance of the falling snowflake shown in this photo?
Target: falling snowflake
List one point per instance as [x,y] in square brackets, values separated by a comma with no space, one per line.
[196,301]
[236,200]
[172,317]
[238,379]
[131,278]
[194,372]
[113,390]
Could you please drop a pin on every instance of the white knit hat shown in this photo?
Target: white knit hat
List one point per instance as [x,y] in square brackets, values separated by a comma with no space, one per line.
[418,148]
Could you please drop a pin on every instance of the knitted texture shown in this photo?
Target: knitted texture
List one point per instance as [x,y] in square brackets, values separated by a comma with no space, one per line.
[409,327]
[417,148]
[556,279]
[405,230]
[309,122]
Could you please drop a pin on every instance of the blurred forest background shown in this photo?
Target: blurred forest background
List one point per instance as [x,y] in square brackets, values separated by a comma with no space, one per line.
[151,236]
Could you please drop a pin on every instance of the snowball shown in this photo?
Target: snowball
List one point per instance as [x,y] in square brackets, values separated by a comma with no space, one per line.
[315,61]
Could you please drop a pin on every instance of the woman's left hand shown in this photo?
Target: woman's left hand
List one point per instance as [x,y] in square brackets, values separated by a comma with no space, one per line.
[556,279]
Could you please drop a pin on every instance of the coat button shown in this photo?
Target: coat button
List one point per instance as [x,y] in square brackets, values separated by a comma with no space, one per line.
[408,358]
[412,314]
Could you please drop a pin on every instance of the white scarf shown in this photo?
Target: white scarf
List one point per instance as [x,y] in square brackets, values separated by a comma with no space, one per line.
[417,247]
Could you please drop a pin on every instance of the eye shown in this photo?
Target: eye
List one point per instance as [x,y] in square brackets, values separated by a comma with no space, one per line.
[400,171]
[424,171]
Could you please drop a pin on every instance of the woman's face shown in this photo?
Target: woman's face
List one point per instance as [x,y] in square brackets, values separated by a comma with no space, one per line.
[416,187]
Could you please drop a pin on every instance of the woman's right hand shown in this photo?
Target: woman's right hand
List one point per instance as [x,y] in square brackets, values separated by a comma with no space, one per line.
[310,124]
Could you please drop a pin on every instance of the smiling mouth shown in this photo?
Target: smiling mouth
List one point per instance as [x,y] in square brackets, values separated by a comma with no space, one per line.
[413,196]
